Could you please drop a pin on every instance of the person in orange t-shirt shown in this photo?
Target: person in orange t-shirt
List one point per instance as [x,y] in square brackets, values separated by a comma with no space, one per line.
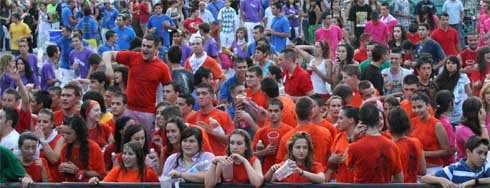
[334,105]
[99,133]
[50,140]
[271,91]
[37,169]
[70,97]
[132,169]
[321,137]
[246,168]
[409,87]
[317,115]
[81,158]
[270,135]
[254,76]
[373,158]
[430,132]
[216,123]
[411,152]
[300,161]
[348,120]
[350,76]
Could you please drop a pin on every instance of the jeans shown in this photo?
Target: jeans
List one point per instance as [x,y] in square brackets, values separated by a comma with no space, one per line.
[460,29]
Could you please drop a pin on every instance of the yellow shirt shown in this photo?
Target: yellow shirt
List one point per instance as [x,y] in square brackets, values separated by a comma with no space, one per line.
[16,31]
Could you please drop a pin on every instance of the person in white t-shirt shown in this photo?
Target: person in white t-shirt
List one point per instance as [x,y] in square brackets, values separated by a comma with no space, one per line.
[393,77]
[9,137]
[268,16]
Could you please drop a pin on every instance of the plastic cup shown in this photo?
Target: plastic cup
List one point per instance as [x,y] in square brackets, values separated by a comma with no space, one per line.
[273,138]
[227,173]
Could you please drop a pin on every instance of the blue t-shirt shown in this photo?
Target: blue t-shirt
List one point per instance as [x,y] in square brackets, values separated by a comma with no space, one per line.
[65,47]
[433,48]
[224,90]
[162,31]
[214,8]
[279,24]
[88,25]
[460,172]
[125,36]
[104,48]
[109,19]
[66,13]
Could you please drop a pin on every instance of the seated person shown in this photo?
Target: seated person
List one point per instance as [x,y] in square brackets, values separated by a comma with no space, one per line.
[36,169]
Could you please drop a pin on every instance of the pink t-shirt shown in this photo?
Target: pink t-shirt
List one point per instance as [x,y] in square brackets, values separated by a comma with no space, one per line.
[378,33]
[390,21]
[450,135]
[484,28]
[333,35]
[462,134]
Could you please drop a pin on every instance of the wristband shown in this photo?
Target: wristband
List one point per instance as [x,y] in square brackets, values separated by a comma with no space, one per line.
[79,174]
[42,140]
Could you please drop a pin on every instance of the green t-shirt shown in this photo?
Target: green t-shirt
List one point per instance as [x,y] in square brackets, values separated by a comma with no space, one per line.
[51,9]
[365,63]
[10,167]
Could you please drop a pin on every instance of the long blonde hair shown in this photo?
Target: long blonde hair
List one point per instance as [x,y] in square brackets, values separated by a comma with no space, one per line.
[4,63]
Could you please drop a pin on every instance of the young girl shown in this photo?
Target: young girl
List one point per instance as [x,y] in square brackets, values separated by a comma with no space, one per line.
[345,53]
[37,169]
[240,44]
[132,168]
[472,123]
[319,64]
[485,97]
[305,170]
[444,102]
[399,35]
[411,153]
[175,12]
[239,162]
[116,147]
[173,133]
[478,77]
[334,105]
[100,133]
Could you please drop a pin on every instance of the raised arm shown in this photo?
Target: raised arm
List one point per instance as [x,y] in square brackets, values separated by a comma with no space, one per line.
[108,57]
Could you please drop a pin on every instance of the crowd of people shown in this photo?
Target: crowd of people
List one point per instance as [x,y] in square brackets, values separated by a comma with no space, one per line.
[249,91]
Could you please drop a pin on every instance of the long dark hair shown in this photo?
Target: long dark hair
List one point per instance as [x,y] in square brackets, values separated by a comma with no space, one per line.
[130,131]
[78,125]
[140,158]
[392,42]
[309,156]
[248,143]
[120,124]
[446,80]
[480,58]
[444,100]
[470,119]
[27,69]
[181,126]
[188,132]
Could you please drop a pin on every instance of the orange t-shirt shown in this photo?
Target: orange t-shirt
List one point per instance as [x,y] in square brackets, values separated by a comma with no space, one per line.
[374,159]
[326,124]
[120,175]
[288,111]
[410,156]
[224,120]
[35,171]
[210,64]
[339,146]
[58,118]
[258,97]
[261,134]
[53,168]
[297,178]
[322,141]
[407,106]
[356,99]
[240,173]
[100,134]
[425,131]
[95,161]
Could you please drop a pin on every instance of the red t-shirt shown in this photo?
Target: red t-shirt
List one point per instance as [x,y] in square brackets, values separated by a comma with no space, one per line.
[224,120]
[35,171]
[410,156]
[144,15]
[425,132]
[407,106]
[53,168]
[374,159]
[331,128]
[192,25]
[24,121]
[59,117]
[298,83]
[297,178]
[414,38]
[447,39]
[356,99]
[360,54]
[240,173]
[95,161]
[339,146]
[467,55]
[288,111]
[143,79]
[261,134]
[258,97]
[100,134]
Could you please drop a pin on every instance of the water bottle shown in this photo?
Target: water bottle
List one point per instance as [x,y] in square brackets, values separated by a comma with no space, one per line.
[198,166]
[216,126]
[153,155]
[260,146]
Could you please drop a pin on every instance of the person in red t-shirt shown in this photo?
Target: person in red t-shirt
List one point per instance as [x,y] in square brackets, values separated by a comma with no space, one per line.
[55,93]
[191,24]
[99,133]
[253,78]
[298,82]
[317,117]
[146,72]
[36,169]
[373,158]
[446,36]
[300,158]
[12,98]
[238,162]
[199,59]
[70,99]
[468,55]
[478,77]
[350,76]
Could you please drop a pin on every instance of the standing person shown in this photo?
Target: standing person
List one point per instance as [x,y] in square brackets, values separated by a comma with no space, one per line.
[478,77]
[18,100]
[144,11]
[427,45]
[160,24]
[424,7]
[298,82]
[30,57]
[280,29]
[386,17]
[178,39]
[210,44]
[200,59]
[78,58]
[398,36]
[411,153]
[174,11]
[124,33]
[444,101]
[372,72]
[359,15]
[377,29]
[402,12]
[393,76]
[366,154]
[191,24]
[330,33]
[5,15]
[110,44]
[204,13]
[70,99]
[446,36]
[109,15]
[68,15]
[9,136]
[89,27]
[142,87]
[250,14]
[320,65]
[472,123]
[226,18]
[180,75]
[455,10]
[18,31]
[291,10]
[64,44]
[468,55]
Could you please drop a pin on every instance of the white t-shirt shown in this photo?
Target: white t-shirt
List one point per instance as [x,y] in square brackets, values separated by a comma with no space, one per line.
[268,14]
[397,79]
[11,141]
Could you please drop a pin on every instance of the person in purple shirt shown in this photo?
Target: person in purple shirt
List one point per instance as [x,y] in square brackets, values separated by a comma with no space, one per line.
[31,58]
[178,40]
[79,57]
[8,63]
[250,14]
[210,45]
[291,11]
[26,74]
[48,75]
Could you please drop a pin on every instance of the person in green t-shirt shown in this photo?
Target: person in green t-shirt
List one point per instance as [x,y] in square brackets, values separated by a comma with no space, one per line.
[11,169]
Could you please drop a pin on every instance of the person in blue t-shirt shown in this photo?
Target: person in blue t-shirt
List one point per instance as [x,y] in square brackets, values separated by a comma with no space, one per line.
[160,24]
[110,44]
[125,33]
[280,28]
[469,172]
[88,25]
[67,16]
[109,17]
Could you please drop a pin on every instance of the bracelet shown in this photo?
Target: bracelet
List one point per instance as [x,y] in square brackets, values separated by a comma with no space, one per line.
[43,140]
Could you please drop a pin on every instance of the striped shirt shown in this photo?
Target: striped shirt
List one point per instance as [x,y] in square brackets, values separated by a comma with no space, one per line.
[460,172]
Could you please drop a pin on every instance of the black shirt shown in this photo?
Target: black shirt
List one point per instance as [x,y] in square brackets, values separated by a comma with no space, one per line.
[373,74]
[360,15]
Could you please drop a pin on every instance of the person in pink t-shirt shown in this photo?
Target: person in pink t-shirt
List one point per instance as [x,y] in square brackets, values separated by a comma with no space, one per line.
[472,123]
[483,25]
[329,32]
[377,29]
[387,18]
[444,100]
